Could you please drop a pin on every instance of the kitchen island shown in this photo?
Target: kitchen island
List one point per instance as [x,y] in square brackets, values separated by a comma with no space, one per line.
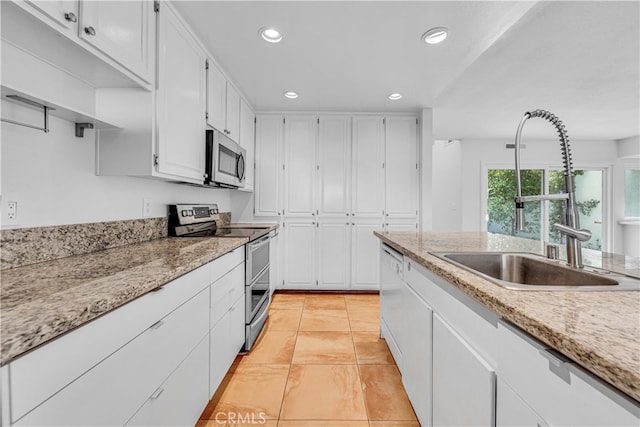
[598,330]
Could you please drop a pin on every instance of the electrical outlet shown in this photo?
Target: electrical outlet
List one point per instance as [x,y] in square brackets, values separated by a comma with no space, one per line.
[10,213]
[146,207]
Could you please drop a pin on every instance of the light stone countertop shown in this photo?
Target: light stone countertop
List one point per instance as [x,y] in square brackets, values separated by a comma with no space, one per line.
[44,300]
[599,330]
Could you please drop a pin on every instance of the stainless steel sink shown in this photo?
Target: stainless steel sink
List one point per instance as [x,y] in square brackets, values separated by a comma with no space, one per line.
[523,271]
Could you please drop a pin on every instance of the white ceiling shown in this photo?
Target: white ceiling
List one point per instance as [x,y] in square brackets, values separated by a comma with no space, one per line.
[580,60]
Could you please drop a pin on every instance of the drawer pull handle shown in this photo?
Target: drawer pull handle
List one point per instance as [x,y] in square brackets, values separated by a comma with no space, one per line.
[555,359]
[157,324]
[156,394]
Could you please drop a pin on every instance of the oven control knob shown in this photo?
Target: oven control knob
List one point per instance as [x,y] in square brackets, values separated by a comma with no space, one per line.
[190,212]
[184,213]
[212,211]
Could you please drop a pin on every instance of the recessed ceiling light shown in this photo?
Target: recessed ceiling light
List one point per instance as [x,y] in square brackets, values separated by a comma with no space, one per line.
[291,94]
[270,34]
[395,96]
[435,35]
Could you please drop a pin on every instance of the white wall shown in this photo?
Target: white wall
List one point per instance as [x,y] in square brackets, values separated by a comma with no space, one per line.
[447,185]
[538,153]
[52,177]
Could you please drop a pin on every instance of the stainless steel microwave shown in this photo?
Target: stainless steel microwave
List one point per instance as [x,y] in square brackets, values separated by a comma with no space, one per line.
[225,161]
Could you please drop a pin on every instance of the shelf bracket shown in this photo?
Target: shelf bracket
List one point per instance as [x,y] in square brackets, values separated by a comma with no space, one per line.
[80,127]
[31,103]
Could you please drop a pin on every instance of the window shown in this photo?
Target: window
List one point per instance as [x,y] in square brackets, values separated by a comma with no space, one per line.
[540,216]
[632,193]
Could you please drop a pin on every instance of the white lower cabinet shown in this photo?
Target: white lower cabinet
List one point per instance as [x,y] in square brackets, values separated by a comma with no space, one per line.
[392,302]
[145,363]
[512,411]
[462,365]
[330,254]
[180,400]
[226,337]
[226,340]
[557,389]
[112,391]
[333,255]
[464,385]
[300,254]
[365,258]
[416,362]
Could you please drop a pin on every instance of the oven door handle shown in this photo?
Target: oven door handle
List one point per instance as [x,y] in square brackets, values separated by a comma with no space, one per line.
[258,243]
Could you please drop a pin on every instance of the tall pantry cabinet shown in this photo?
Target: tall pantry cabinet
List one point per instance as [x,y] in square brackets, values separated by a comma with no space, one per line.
[329,179]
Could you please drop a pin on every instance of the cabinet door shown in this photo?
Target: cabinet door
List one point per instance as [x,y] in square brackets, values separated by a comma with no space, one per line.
[367,173]
[269,165]
[120,30]
[300,165]
[216,97]
[180,400]
[233,113]
[220,356]
[274,262]
[62,13]
[334,143]
[112,391]
[512,411]
[464,385]
[416,356]
[247,140]
[300,254]
[237,332]
[365,259]
[401,167]
[334,255]
[181,103]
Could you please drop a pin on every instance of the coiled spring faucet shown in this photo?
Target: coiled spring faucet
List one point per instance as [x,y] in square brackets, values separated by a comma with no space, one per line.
[571,227]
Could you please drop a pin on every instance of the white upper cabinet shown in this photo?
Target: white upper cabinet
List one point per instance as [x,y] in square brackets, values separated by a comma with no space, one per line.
[367,167]
[334,144]
[247,140]
[267,196]
[120,30]
[216,97]
[62,13]
[181,100]
[223,103]
[233,113]
[401,167]
[300,165]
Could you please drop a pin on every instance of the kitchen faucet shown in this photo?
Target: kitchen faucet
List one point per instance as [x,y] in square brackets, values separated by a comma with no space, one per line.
[571,227]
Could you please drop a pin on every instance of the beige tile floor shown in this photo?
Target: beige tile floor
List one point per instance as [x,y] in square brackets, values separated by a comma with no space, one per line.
[319,362]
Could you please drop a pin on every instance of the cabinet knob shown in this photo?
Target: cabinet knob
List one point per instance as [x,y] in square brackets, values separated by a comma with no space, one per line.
[71,17]
[90,31]
[206,175]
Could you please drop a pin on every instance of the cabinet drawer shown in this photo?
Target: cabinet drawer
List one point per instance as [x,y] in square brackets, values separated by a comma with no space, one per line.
[111,392]
[472,320]
[225,292]
[180,400]
[559,390]
[221,266]
[33,380]
[226,340]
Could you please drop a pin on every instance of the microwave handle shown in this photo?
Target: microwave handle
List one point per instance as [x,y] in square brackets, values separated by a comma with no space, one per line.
[240,169]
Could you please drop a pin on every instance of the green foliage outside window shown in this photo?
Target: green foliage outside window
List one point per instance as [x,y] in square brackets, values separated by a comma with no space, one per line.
[500,205]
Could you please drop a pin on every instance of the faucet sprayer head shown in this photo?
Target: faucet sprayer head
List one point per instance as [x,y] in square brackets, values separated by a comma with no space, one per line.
[519,223]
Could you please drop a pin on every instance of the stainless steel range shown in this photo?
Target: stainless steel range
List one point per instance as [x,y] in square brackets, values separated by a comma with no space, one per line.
[201,221]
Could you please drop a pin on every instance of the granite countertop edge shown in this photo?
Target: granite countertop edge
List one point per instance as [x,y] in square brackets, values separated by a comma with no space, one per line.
[31,324]
[608,369]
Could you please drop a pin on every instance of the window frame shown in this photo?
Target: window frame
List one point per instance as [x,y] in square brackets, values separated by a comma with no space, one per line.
[606,202]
